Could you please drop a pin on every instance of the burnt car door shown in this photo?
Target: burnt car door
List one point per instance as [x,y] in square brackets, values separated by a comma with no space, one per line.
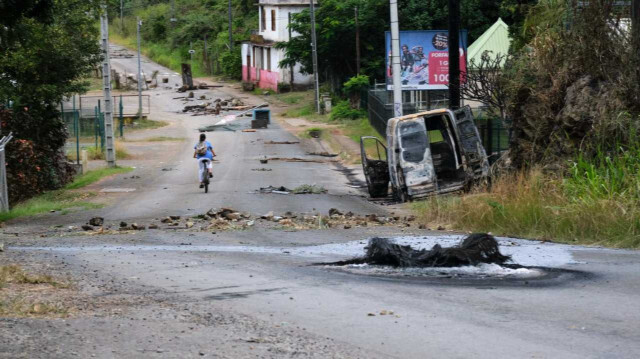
[416,172]
[375,166]
[472,149]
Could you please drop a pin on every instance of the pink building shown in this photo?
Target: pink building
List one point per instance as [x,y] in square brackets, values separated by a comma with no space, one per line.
[260,58]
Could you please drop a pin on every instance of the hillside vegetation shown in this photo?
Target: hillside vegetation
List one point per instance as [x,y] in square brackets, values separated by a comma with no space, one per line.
[168,42]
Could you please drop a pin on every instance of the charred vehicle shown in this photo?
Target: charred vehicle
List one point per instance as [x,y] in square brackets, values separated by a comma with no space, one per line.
[427,153]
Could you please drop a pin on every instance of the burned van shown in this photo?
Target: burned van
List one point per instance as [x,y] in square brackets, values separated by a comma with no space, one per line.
[426,153]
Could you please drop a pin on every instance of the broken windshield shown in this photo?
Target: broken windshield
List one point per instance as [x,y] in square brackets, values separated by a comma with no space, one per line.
[413,137]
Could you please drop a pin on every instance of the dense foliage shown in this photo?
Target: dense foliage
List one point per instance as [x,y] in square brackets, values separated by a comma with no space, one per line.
[169,42]
[336,28]
[575,87]
[46,48]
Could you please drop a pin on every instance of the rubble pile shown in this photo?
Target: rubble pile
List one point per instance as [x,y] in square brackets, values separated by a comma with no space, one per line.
[213,107]
[231,219]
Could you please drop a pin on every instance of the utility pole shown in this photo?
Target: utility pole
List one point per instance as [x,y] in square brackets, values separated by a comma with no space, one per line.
[138,24]
[454,54]
[121,20]
[395,59]
[291,67]
[314,52]
[173,20]
[635,24]
[230,28]
[206,56]
[191,52]
[357,44]
[106,77]
[173,14]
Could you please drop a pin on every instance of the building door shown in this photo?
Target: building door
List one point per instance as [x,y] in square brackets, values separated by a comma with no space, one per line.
[248,68]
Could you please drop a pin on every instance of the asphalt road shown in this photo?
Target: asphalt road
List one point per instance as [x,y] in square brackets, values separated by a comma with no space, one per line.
[256,293]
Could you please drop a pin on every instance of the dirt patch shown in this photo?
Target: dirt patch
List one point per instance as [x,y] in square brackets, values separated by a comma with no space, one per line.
[29,294]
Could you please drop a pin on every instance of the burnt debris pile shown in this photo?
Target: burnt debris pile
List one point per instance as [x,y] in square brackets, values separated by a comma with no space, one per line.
[475,249]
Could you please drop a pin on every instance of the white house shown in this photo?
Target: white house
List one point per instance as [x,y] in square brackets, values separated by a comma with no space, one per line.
[260,58]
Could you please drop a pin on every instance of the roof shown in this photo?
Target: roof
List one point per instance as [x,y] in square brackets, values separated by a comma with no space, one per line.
[495,39]
[412,116]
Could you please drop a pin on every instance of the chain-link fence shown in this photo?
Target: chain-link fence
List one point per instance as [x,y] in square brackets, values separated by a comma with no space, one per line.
[379,104]
[4,189]
[84,119]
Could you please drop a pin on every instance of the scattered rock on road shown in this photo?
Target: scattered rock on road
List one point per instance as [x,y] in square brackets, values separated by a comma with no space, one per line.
[96,221]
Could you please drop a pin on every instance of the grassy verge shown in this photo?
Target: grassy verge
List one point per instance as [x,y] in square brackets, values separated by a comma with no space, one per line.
[93,176]
[145,124]
[588,206]
[302,106]
[64,199]
[121,153]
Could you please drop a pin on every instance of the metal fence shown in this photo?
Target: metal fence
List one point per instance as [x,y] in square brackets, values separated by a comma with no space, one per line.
[4,190]
[379,104]
[85,124]
[86,105]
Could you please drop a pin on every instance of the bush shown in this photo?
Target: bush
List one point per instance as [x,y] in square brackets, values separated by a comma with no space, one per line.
[232,64]
[572,89]
[354,87]
[343,111]
[34,167]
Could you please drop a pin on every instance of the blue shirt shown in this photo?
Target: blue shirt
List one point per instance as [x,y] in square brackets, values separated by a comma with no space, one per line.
[209,153]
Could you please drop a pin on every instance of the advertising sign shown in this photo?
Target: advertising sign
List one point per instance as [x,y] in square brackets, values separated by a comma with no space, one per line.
[424,59]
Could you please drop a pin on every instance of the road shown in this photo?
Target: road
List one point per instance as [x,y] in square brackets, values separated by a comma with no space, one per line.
[257,293]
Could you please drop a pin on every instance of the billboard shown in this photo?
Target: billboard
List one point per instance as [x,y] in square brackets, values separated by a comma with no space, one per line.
[424,59]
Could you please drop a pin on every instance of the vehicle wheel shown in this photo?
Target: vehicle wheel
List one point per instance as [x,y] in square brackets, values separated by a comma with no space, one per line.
[206,188]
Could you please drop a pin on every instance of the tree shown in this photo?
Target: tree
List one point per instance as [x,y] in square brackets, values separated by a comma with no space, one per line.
[571,89]
[46,49]
[336,32]
[484,82]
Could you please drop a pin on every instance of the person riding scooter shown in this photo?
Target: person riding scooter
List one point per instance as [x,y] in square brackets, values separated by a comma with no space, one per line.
[204,153]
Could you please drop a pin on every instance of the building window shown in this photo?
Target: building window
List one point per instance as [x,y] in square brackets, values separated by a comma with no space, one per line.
[254,57]
[262,58]
[263,16]
[273,20]
[269,59]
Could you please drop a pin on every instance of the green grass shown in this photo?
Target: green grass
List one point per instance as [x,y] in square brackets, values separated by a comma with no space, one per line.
[291,98]
[49,201]
[96,154]
[145,124]
[582,208]
[63,200]
[261,92]
[95,175]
